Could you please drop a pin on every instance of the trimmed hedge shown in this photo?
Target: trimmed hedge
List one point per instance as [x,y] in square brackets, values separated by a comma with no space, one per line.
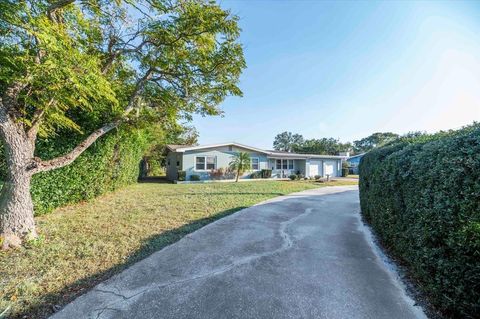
[112,162]
[421,195]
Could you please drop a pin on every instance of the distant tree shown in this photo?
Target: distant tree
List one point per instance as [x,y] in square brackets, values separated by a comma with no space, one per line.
[375,140]
[119,61]
[240,163]
[327,146]
[287,141]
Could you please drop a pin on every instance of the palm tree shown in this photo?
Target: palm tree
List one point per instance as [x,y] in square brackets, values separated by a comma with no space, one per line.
[240,163]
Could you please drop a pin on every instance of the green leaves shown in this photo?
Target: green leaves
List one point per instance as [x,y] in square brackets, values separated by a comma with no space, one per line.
[421,195]
[90,56]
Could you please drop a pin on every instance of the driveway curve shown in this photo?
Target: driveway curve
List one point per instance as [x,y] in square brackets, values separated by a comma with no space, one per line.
[305,255]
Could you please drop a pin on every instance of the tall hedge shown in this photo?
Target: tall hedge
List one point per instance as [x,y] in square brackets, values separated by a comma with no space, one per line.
[111,162]
[422,197]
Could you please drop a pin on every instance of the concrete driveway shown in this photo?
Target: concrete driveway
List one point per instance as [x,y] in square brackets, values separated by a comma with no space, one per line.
[306,255]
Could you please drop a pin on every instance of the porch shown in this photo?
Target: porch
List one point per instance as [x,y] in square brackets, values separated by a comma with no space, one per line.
[284,167]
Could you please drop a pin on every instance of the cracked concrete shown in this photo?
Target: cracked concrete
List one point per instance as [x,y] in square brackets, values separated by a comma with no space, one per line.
[299,256]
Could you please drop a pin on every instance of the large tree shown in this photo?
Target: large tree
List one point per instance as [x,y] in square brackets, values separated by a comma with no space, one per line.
[329,146]
[120,60]
[286,141]
[375,140]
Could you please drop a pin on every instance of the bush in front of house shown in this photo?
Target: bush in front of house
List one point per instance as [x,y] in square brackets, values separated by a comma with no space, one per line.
[300,176]
[293,177]
[266,173]
[345,169]
[194,178]
[317,177]
[217,174]
[255,175]
[422,197]
[181,175]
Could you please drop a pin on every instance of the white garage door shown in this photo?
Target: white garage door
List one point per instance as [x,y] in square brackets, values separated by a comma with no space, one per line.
[314,168]
[330,168]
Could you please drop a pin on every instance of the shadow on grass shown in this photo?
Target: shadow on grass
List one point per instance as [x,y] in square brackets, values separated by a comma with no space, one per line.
[154,180]
[54,301]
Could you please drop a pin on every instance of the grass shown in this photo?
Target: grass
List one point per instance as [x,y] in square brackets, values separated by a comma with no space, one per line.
[83,244]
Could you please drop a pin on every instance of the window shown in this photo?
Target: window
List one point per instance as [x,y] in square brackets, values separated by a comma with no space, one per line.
[203,163]
[210,162]
[284,164]
[168,162]
[178,163]
[290,164]
[200,163]
[255,163]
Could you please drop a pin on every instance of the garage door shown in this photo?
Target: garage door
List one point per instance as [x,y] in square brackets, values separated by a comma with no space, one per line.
[330,168]
[315,168]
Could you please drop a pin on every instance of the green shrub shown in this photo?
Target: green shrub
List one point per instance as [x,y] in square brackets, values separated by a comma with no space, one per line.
[422,197]
[345,169]
[112,162]
[181,175]
[194,177]
[293,177]
[317,177]
[266,173]
[300,176]
[255,175]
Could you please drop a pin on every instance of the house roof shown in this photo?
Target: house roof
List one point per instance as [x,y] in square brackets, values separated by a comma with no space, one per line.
[174,147]
[355,156]
[183,148]
[269,153]
[301,155]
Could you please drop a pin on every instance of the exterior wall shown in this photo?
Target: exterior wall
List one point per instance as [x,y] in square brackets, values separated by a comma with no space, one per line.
[223,156]
[337,163]
[298,166]
[353,163]
[172,159]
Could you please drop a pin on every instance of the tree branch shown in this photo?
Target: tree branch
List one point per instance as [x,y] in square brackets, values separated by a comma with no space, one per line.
[58,5]
[43,166]
[37,120]
[38,165]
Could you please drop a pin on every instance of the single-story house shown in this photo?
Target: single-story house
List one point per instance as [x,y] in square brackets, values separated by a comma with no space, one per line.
[203,161]
[353,162]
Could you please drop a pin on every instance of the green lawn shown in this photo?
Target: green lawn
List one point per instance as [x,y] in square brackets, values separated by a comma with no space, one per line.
[83,244]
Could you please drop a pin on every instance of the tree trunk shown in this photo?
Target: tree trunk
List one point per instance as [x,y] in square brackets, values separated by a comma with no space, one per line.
[16,211]
[238,174]
[16,207]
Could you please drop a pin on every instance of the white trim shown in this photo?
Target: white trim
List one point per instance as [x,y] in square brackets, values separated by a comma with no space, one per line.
[205,169]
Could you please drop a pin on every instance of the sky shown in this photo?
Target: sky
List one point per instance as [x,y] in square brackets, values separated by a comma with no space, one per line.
[349,69]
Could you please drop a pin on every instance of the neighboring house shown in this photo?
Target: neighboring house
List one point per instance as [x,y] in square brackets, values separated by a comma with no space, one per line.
[202,160]
[353,162]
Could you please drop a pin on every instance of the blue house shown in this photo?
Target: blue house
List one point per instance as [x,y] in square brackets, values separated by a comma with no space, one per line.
[212,161]
[353,162]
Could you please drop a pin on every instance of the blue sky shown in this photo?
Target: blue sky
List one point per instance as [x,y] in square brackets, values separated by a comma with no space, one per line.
[349,69]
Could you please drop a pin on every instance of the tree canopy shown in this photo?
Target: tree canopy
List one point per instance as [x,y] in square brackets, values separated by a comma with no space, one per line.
[89,67]
[167,58]
[286,141]
[375,140]
[289,142]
